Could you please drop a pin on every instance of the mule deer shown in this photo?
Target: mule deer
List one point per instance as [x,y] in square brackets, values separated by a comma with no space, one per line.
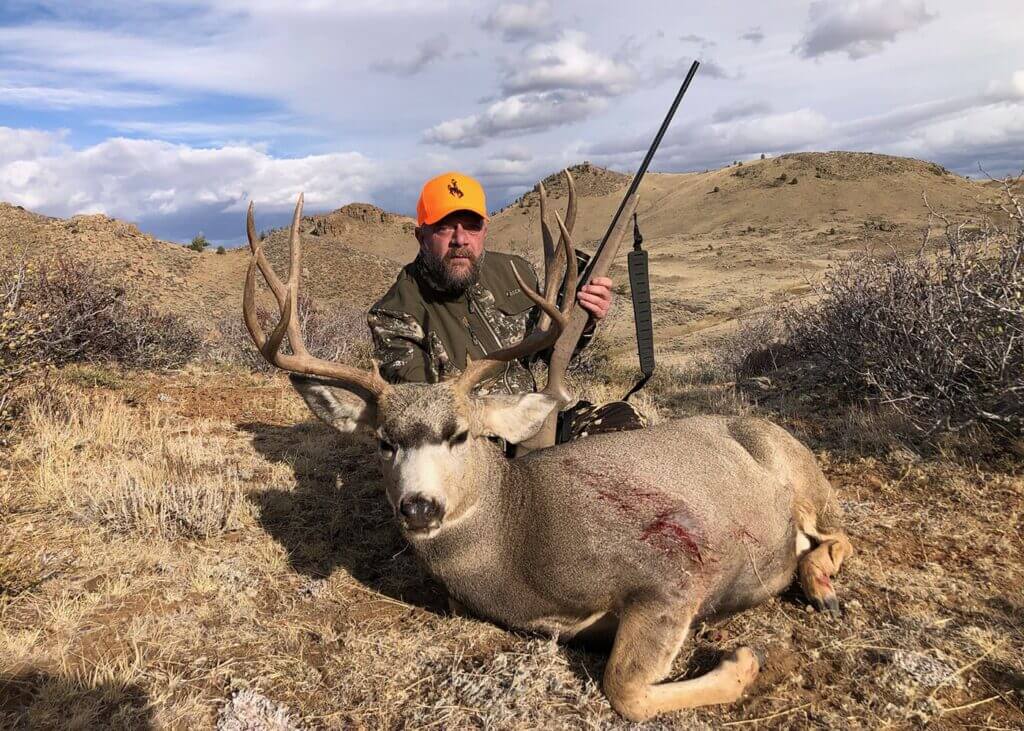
[637,534]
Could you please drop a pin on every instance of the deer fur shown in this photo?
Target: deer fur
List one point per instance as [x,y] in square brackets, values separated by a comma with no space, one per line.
[638,534]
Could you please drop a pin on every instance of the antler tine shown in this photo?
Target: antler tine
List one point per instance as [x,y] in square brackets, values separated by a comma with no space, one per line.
[550,252]
[370,385]
[571,273]
[553,255]
[570,210]
[294,277]
[257,249]
[537,340]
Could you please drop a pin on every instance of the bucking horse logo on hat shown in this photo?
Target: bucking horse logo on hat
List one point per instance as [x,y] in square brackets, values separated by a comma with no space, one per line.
[453,188]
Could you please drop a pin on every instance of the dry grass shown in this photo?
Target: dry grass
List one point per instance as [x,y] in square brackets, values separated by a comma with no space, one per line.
[133,473]
[312,603]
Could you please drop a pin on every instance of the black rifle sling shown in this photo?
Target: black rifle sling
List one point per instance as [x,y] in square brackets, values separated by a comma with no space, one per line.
[640,289]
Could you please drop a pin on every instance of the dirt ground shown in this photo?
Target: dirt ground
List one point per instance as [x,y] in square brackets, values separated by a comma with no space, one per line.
[276,590]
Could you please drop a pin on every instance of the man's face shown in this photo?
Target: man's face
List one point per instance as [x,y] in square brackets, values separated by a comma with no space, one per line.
[452,248]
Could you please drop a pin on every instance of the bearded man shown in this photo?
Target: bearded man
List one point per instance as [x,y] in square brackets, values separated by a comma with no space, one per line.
[457,299]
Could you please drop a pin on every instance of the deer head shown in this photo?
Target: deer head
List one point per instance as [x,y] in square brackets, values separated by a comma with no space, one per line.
[434,440]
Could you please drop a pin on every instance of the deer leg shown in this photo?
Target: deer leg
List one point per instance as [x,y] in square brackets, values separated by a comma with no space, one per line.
[817,567]
[648,639]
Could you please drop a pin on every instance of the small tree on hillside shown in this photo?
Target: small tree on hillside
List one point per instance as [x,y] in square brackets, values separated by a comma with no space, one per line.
[199,242]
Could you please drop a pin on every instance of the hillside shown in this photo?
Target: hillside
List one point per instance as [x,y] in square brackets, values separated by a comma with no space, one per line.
[725,241]
[202,286]
[721,242]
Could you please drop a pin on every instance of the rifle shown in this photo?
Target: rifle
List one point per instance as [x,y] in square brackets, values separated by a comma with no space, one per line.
[588,272]
[598,266]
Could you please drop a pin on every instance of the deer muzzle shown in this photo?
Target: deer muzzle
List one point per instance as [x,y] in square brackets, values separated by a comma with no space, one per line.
[420,513]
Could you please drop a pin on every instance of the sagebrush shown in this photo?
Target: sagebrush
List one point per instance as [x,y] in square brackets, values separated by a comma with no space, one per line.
[91,315]
[338,334]
[60,310]
[939,338]
[23,325]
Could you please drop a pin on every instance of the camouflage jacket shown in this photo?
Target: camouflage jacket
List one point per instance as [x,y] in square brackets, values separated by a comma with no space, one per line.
[421,334]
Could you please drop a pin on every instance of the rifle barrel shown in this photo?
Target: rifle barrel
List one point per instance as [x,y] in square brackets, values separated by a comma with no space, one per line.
[642,170]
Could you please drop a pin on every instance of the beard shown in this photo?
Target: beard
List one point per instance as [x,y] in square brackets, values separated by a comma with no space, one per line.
[448,276]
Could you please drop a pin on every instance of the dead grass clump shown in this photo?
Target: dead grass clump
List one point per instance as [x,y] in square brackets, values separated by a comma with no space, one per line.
[133,473]
[337,335]
[247,710]
[501,690]
[206,507]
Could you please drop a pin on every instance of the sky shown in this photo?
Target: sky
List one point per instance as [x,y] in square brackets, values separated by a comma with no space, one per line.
[174,114]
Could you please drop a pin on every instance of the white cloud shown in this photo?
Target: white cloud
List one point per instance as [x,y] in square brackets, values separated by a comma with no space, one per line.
[754,35]
[661,69]
[858,28]
[741,109]
[991,135]
[27,144]
[566,64]
[695,38]
[515,115]
[703,143]
[139,178]
[65,97]
[520,21]
[222,132]
[551,84]
[125,57]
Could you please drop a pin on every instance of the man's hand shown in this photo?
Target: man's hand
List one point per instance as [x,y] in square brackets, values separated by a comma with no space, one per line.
[596,297]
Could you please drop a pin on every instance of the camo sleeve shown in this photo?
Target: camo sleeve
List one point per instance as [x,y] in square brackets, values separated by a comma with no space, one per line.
[400,347]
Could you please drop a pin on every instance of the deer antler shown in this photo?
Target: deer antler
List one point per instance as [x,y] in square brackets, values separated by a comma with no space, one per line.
[553,255]
[553,320]
[368,384]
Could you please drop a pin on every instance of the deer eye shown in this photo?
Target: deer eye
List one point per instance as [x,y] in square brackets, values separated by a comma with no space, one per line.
[386,448]
[459,438]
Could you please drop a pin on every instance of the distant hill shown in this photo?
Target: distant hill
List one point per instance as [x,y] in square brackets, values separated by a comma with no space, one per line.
[721,242]
[203,286]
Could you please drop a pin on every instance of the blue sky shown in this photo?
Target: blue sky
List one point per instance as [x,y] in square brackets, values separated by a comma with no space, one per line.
[174,113]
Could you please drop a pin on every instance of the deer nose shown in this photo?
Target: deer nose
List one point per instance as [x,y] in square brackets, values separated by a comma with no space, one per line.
[419,512]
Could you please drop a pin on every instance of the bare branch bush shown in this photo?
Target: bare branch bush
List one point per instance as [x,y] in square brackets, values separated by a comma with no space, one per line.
[22,328]
[339,334]
[59,310]
[937,338]
[93,318]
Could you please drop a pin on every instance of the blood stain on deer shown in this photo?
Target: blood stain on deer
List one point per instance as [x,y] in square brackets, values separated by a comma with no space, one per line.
[666,534]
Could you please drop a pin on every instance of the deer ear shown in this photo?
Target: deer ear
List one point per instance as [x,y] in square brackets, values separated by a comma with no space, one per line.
[343,410]
[514,418]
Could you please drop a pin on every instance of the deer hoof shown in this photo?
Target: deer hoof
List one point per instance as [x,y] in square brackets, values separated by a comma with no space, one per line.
[829,604]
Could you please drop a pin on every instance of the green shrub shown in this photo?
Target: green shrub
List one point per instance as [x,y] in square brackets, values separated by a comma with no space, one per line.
[221,250]
[199,242]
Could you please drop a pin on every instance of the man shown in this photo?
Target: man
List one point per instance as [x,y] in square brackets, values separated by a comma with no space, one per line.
[457,299]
